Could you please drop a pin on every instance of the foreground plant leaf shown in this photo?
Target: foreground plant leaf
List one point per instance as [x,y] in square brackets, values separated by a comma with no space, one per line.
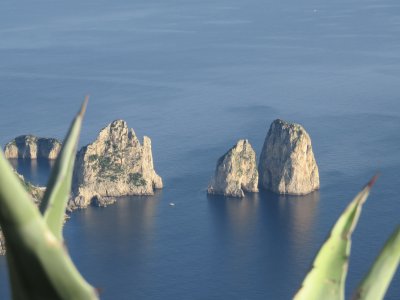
[376,282]
[39,265]
[58,189]
[327,277]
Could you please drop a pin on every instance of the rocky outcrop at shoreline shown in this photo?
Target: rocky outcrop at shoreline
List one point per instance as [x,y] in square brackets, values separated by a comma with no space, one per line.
[114,165]
[32,147]
[236,172]
[287,164]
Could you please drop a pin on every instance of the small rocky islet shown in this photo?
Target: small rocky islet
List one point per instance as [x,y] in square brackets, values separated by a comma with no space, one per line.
[32,147]
[236,172]
[287,164]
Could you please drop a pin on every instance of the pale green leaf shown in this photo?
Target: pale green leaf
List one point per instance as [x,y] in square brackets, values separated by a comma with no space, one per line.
[376,282]
[326,279]
[58,190]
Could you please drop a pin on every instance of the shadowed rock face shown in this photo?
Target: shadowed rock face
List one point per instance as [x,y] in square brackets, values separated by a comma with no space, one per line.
[115,164]
[236,172]
[287,164]
[32,147]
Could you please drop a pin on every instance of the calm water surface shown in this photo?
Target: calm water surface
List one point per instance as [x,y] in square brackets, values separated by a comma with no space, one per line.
[196,77]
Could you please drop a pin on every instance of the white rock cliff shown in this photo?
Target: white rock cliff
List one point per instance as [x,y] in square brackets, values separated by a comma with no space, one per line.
[115,164]
[236,172]
[287,164]
[32,147]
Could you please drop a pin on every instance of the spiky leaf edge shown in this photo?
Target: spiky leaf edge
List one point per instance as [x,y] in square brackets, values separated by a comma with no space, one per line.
[326,279]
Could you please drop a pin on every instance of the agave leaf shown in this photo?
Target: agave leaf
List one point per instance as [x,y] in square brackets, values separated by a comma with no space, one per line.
[55,199]
[39,265]
[326,279]
[12,216]
[376,282]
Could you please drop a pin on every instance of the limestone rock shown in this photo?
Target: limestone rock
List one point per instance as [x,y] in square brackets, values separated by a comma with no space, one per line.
[236,172]
[36,193]
[32,147]
[114,165]
[287,164]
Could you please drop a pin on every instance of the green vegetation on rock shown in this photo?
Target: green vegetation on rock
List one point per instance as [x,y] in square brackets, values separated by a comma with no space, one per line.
[93,158]
[137,179]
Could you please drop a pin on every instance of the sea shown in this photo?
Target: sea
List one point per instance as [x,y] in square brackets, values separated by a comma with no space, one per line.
[196,76]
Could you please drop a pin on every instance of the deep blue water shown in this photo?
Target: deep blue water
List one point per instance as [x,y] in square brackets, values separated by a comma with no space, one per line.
[196,76]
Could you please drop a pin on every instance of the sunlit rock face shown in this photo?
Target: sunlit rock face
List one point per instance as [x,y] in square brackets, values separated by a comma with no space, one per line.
[287,164]
[32,147]
[115,164]
[236,172]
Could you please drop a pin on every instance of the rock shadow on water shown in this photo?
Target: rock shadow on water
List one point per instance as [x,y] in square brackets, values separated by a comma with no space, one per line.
[128,227]
[36,171]
[293,214]
[233,215]
[115,241]
[272,231]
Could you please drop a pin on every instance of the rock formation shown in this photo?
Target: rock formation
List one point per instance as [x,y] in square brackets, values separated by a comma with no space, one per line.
[287,164]
[36,193]
[102,201]
[29,146]
[236,172]
[115,164]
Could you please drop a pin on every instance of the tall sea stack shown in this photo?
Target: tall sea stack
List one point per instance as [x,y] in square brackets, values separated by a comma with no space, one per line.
[114,165]
[287,164]
[236,172]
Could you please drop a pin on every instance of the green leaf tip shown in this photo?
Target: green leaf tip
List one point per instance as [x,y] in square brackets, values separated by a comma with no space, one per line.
[371,183]
[326,279]
[58,190]
[376,282]
[83,106]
